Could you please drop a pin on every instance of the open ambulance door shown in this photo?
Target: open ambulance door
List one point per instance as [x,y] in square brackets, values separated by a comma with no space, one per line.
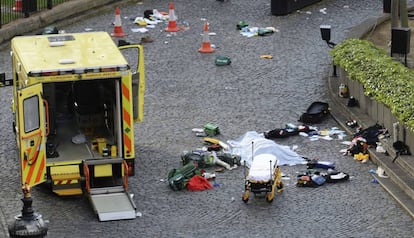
[136,60]
[31,134]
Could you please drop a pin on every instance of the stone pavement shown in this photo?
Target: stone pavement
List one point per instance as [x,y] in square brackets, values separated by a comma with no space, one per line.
[186,90]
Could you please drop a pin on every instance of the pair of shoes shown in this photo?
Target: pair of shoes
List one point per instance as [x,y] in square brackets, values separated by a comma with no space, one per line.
[352,123]
[146,39]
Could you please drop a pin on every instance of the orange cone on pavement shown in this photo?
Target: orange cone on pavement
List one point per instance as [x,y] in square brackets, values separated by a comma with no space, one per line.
[172,21]
[118,32]
[206,45]
[18,6]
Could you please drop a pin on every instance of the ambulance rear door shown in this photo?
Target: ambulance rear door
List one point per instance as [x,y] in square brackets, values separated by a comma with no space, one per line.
[31,134]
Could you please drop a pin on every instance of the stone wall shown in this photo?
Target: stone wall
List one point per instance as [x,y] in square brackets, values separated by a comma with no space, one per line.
[377,111]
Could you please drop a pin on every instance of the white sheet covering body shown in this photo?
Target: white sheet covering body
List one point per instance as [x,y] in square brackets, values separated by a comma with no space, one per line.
[253,143]
[262,168]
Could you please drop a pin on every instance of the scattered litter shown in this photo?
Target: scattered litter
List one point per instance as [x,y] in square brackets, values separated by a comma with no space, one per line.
[140,21]
[220,170]
[374,181]
[327,137]
[324,132]
[257,31]
[211,129]
[209,176]
[352,123]
[222,60]
[363,157]
[323,10]
[197,130]
[266,56]
[314,138]
[343,151]
[241,25]
[381,173]
[379,148]
[316,178]
[198,183]
[157,15]
[146,39]
[139,30]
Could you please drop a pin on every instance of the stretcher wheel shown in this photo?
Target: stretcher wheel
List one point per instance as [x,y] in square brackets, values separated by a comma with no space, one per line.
[280,187]
[245,197]
[269,197]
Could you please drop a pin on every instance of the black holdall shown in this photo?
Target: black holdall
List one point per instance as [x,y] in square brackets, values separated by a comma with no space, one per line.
[315,113]
[401,148]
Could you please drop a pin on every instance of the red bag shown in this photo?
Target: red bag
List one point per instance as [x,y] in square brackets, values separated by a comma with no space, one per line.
[198,183]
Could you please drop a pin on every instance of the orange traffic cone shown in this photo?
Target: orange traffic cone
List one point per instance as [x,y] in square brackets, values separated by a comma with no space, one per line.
[172,21]
[18,6]
[206,45]
[118,32]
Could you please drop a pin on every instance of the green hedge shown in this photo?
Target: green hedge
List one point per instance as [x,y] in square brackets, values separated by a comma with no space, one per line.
[384,79]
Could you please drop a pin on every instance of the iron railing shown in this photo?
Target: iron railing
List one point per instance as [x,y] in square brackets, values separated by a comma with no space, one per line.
[11,10]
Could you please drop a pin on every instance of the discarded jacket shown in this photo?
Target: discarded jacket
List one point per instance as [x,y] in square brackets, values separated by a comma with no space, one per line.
[315,178]
[198,183]
[320,164]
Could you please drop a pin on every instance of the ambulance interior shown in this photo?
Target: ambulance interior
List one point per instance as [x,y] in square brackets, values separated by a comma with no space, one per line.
[84,119]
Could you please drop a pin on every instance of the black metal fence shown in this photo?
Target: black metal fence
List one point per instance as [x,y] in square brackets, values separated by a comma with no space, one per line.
[11,10]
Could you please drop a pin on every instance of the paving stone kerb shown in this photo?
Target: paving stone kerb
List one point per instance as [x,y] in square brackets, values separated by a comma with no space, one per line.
[41,19]
[185,90]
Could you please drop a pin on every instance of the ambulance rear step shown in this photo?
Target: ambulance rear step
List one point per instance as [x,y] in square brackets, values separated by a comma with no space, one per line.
[66,180]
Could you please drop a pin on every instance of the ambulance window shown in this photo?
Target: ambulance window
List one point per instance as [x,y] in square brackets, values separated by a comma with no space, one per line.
[31,114]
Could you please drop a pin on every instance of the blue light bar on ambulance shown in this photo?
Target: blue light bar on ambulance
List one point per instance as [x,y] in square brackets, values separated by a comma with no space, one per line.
[48,73]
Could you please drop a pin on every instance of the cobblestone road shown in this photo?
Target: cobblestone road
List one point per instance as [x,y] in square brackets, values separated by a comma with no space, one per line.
[185,90]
